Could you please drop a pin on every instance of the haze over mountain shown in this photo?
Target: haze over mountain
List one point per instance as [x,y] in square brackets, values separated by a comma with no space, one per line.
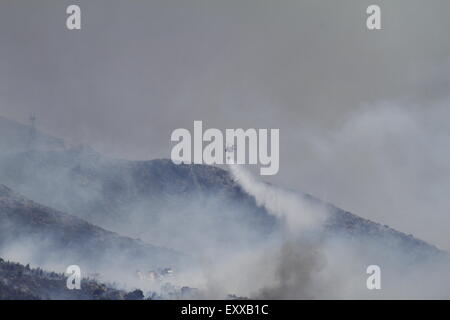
[48,237]
[203,212]
[20,137]
[18,282]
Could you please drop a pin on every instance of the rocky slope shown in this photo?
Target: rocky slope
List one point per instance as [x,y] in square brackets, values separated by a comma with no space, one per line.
[18,282]
[50,237]
[187,207]
[112,192]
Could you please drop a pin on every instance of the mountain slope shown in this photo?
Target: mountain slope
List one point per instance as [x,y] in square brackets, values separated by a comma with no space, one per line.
[20,137]
[144,195]
[48,237]
[177,206]
[140,198]
[18,282]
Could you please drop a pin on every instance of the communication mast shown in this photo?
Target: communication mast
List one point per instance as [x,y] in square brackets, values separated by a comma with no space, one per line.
[32,132]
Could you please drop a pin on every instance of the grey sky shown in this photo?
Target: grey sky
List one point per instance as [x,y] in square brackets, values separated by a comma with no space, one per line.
[140,69]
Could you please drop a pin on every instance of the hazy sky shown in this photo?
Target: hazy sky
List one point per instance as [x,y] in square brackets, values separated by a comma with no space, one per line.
[363,115]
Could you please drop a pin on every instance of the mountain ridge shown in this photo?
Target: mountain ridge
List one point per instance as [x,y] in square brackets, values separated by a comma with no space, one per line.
[192,209]
[75,239]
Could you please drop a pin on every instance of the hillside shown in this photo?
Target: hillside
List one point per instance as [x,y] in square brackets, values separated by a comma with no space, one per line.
[50,237]
[20,137]
[18,282]
[197,210]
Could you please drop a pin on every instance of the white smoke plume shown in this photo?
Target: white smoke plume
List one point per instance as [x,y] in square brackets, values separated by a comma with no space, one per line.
[293,266]
[291,208]
[302,266]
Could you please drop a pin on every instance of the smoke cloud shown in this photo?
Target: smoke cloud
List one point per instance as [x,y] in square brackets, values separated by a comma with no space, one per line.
[297,214]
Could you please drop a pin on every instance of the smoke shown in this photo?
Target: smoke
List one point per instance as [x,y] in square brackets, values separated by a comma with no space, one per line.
[279,249]
[296,266]
[285,269]
[297,214]
[388,162]
[309,264]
